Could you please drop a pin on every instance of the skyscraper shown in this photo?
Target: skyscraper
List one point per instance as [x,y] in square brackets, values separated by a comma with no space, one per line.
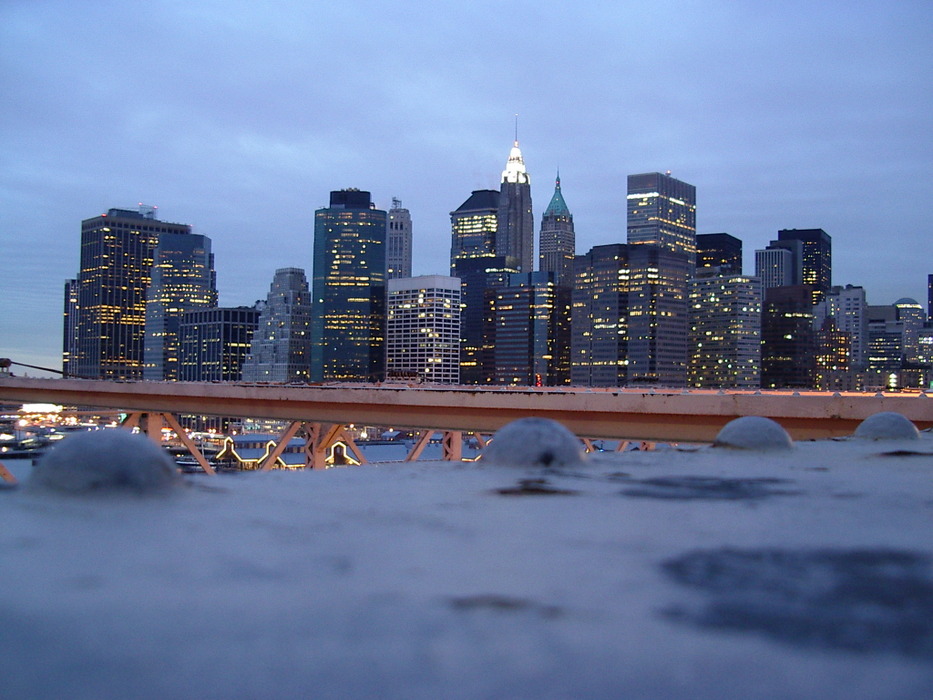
[216,342]
[930,296]
[776,267]
[848,309]
[816,262]
[725,331]
[662,212]
[599,317]
[479,278]
[532,331]
[788,338]
[398,244]
[912,315]
[557,240]
[473,260]
[473,227]
[280,349]
[348,328]
[183,279]
[833,362]
[662,259]
[115,272]
[721,251]
[70,335]
[423,329]
[515,231]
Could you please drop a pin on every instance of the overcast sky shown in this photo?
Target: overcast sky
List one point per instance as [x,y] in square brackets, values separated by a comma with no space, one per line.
[240,117]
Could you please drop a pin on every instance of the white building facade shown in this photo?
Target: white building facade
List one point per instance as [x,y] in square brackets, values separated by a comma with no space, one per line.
[423,329]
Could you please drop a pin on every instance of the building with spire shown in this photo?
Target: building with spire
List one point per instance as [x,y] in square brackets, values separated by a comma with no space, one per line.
[515,226]
[556,240]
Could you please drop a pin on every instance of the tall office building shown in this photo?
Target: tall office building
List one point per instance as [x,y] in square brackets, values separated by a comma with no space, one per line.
[280,349]
[662,212]
[912,315]
[925,345]
[848,309]
[423,329]
[662,259]
[214,343]
[720,251]
[183,279]
[398,242]
[930,296]
[725,331]
[473,260]
[833,363]
[115,272]
[515,231]
[532,331]
[816,262]
[776,267]
[788,338]
[599,317]
[348,329]
[557,240]
[885,345]
[473,227]
[70,335]
[479,278]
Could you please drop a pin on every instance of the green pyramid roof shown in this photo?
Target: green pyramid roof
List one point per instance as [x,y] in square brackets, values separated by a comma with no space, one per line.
[557,206]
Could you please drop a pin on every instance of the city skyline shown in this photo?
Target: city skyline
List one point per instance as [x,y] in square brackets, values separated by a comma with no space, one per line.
[777,123]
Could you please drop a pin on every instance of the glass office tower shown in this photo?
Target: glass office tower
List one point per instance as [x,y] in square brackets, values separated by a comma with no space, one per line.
[348,289]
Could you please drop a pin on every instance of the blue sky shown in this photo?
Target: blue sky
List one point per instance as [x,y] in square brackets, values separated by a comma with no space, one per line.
[240,118]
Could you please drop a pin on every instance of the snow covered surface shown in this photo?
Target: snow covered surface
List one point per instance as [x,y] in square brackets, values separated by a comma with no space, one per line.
[715,573]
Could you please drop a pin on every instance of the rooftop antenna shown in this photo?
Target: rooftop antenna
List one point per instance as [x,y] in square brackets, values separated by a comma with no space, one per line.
[516,128]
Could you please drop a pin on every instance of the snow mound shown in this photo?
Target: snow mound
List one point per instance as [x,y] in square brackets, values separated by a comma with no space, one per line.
[535,442]
[753,433]
[105,460]
[887,425]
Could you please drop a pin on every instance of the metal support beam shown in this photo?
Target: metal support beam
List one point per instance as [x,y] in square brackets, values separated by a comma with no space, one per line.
[326,436]
[282,443]
[188,443]
[6,475]
[613,414]
[319,444]
[453,445]
[151,422]
[423,441]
